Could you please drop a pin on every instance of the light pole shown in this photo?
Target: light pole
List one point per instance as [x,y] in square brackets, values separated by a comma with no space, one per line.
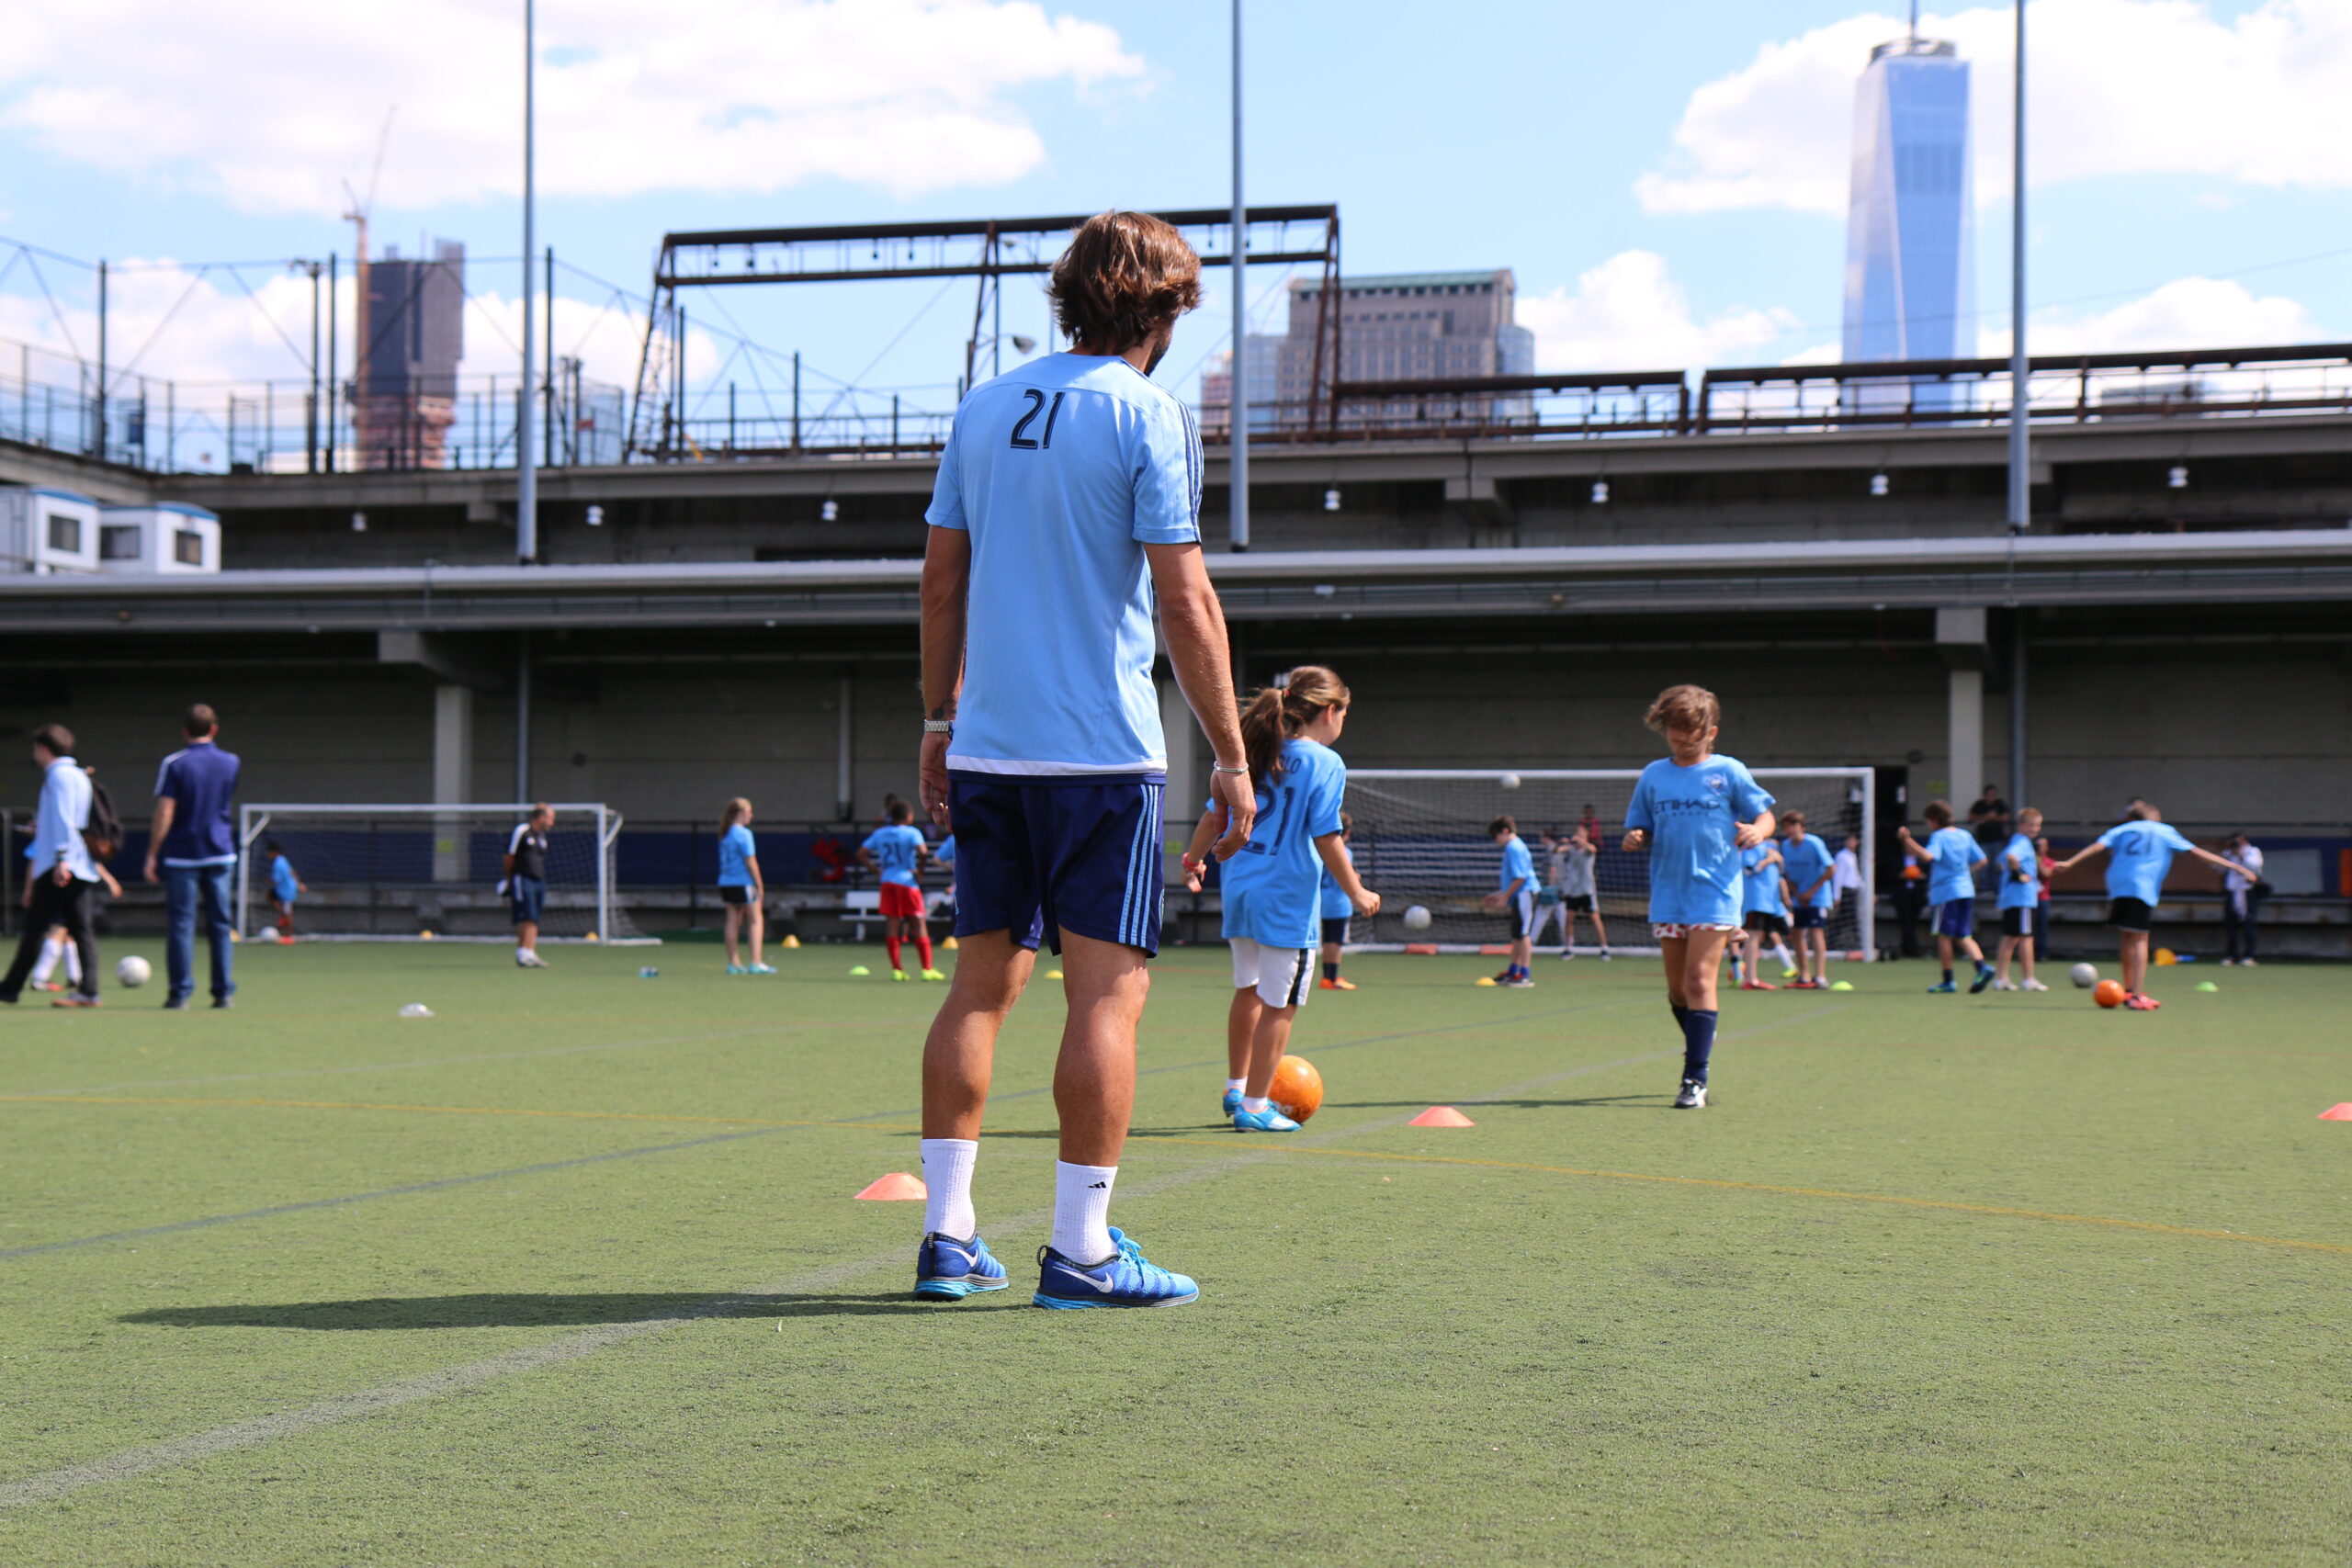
[1237,399]
[527,473]
[2020,471]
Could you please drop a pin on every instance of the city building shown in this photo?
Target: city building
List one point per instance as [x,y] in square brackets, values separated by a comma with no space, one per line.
[1262,360]
[412,334]
[1909,293]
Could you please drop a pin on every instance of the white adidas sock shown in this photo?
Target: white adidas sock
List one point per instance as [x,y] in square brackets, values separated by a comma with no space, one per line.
[1082,1211]
[1235,1086]
[73,961]
[52,950]
[948,1183]
[1254,1106]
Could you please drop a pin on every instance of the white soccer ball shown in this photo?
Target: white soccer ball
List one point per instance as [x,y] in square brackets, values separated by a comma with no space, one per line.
[2085,976]
[1511,781]
[1417,919]
[134,971]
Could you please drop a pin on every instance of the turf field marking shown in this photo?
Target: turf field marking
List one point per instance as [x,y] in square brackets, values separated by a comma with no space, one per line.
[48,1486]
[428,1110]
[436,1186]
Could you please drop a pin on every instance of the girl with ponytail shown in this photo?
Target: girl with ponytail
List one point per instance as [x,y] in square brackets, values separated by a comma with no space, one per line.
[1271,887]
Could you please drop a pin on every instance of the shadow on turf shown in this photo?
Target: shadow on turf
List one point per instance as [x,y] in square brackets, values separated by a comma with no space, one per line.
[496,1311]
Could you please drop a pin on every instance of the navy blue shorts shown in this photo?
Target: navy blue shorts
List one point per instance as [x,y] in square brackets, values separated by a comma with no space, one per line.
[1805,916]
[1038,857]
[525,897]
[1956,917]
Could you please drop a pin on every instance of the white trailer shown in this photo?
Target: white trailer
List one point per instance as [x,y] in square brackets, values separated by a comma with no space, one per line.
[167,539]
[45,531]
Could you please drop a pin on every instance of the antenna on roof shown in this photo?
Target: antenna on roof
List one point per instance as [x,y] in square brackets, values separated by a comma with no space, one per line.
[1915,21]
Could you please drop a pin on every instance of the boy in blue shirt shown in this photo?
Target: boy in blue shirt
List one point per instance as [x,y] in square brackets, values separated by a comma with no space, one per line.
[284,888]
[896,850]
[1515,892]
[2140,851]
[2019,866]
[1694,812]
[1761,910]
[1811,888]
[1336,909]
[1951,856]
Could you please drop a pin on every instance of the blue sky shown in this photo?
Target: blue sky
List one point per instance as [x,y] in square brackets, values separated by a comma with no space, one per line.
[1666,181]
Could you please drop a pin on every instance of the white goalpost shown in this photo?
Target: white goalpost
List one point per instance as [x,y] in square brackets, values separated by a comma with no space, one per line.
[384,873]
[1420,837]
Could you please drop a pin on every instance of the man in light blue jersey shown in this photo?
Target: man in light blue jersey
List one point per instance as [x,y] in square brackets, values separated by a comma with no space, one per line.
[1067,502]
[1951,856]
[2140,851]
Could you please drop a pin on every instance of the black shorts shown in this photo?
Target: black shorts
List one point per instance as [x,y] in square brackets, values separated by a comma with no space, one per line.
[1808,917]
[1770,925]
[1576,903]
[734,896]
[2131,915]
[1335,929]
[2017,922]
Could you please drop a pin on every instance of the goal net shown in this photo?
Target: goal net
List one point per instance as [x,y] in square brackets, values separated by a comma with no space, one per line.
[1420,837]
[401,870]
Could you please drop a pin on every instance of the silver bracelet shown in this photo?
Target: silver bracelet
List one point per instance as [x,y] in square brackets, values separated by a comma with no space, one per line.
[939,726]
[1221,768]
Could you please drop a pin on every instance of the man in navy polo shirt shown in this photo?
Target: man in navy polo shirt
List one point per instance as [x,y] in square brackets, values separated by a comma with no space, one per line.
[195,841]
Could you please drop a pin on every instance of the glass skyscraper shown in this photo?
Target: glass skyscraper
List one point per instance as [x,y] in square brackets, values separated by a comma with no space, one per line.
[1909,292]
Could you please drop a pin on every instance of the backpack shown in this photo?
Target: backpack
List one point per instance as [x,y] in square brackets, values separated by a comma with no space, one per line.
[103,835]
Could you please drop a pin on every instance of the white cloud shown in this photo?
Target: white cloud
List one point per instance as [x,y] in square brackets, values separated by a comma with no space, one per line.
[2116,87]
[1628,314]
[2188,312]
[269,107]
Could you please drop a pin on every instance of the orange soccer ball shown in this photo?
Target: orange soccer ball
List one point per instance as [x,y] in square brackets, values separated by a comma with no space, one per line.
[1297,1089]
[2109,994]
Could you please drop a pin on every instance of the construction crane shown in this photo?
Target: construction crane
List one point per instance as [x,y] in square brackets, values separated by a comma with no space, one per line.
[356,215]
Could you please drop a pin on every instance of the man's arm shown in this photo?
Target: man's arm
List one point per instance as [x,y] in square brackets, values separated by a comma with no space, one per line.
[166,808]
[947,579]
[1193,623]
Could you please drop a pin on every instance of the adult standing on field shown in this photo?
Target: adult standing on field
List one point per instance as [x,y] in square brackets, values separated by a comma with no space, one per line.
[1067,502]
[194,841]
[59,873]
[524,869]
[2241,892]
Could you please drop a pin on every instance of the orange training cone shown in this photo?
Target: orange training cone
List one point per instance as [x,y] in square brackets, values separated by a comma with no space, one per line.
[896,1187]
[1440,1116]
[2338,1112]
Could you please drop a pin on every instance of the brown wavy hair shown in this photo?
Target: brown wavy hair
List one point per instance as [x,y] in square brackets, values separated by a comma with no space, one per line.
[1125,277]
[1280,711]
[1684,707]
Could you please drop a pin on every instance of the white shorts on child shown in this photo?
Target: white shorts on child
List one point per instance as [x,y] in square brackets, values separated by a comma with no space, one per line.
[1281,975]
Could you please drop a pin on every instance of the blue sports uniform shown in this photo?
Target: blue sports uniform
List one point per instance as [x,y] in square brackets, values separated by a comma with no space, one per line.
[1807,856]
[1691,815]
[1761,896]
[1952,856]
[894,850]
[1517,865]
[1272,885]
[2138,856]
[284,886]
[736,851]
[1332,900]
[1060,473]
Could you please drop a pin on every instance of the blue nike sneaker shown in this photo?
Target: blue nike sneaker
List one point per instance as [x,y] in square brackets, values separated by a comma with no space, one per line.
[1232,1101]
[1123,1279]
[1945,989]
[1267,1121]
[1983,978]
[947,1269]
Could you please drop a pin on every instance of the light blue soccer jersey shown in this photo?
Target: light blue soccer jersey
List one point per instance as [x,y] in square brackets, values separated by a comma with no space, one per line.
[2018,893]
[284,884]
[944,851]
[1271,887]
[735,853]
[1951,856]
[1761,896]
[1333,901]
[1690,814]
[1519,865]
[1808,856]
[2138,856]
[1060,472]
[894,850]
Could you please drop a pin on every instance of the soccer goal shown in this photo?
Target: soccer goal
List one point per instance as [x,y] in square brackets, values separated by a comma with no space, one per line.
[384,871]
[1420,838]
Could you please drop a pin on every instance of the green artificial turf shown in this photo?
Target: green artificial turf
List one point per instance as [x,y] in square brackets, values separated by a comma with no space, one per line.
[1937,1280]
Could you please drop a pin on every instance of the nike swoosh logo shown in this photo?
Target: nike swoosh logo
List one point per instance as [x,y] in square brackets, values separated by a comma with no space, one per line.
[1102,1286]
[968,1257]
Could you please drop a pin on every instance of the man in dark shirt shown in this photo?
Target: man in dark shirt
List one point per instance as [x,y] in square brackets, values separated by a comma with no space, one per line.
[526,884]
[194,840]
[1988,818]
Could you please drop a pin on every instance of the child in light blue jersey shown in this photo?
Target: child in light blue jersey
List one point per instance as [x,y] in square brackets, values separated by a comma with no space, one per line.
[1762,910]
[2140,851]
[1694,812]
[1336,907]
[1951,856]
[1811,872]
[1515,894]
[286,885]
[2018,866]
[741,889]
[1272,909]
[895,853]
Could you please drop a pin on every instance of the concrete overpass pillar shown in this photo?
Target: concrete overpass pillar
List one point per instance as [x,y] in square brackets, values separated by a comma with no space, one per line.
[1960,638]
[453,773]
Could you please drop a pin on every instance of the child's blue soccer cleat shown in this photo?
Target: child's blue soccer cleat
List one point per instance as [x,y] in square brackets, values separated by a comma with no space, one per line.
[1232,1101]
[1983,978]
[947,1269]
[1267,1121]
[1946,988]
[1124,1279]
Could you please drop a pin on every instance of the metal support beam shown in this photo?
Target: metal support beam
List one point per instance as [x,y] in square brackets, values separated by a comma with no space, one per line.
[844,739]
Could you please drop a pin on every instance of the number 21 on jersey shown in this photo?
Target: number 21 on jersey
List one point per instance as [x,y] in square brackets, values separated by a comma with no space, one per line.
[1037,405]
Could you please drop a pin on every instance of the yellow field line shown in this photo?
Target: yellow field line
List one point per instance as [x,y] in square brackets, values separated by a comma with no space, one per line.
[1801,1192]
[435,1110]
